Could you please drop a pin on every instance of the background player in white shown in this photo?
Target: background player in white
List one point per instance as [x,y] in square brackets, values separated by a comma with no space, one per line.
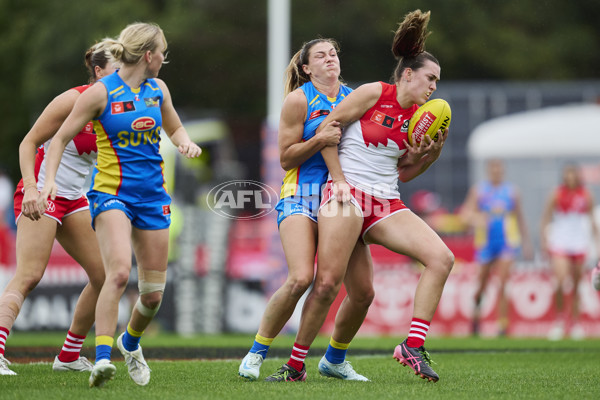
[568,231]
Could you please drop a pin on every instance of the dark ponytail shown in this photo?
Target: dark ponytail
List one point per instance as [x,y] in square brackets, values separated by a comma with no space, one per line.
[409,43]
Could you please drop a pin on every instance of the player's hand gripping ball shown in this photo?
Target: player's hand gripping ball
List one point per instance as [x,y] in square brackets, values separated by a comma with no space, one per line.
[431,117]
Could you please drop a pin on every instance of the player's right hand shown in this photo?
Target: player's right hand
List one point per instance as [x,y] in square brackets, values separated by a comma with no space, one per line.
[331,134]
[341,191]
[49,190]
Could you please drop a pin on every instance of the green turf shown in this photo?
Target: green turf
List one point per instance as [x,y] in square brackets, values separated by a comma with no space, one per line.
[469,369]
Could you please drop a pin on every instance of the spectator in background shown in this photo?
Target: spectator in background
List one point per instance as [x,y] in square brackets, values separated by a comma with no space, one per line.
[493,209]
[567,228]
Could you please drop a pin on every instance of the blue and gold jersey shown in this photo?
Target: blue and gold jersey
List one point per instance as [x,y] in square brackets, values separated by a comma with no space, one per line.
[307,179]
[128,138]
[498,203]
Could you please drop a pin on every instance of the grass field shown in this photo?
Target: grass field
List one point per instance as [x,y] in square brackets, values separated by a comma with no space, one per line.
[469,369]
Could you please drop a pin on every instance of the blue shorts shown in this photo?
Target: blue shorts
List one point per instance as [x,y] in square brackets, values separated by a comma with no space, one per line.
[496,249]
[302,205]
[150,215]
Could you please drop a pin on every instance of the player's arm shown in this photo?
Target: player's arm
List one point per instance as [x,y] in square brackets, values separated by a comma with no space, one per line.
[88,106]
[292,150]
[469,213]
[42,130]
[546,219]
[173,127]
[354,106]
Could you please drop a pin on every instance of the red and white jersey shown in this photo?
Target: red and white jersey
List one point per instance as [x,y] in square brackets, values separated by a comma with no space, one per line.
[570,230]
[79,156]
[370,147]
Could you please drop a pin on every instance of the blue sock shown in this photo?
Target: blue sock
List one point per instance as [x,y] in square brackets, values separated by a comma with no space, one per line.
[131,339]
[261,348]
[336,355]
[103,347]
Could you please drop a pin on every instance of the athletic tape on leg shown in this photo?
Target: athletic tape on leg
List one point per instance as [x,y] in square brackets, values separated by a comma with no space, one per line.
[10,305]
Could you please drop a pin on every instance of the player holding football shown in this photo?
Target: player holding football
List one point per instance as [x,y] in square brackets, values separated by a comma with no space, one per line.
[566,238]
[68,221]
[313,89]
[361,202]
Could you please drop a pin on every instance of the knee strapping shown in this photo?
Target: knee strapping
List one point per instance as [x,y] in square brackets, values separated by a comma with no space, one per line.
[150,282]
[146,311]
[11,302]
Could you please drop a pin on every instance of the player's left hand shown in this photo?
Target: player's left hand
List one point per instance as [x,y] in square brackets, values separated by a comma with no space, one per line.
[190,149]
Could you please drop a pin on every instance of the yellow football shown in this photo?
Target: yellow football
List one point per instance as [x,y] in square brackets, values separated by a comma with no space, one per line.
[431,117]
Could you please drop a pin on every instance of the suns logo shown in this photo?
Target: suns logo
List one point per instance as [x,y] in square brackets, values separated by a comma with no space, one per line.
[143,124]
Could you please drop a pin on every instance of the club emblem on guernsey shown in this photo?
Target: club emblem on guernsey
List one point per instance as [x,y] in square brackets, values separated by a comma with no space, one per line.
[120,107]
[51,207]
[143,124]
[382,119]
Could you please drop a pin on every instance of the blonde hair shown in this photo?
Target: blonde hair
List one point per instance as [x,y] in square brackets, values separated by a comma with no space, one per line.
[408,45]
[97,56]
[135,40]
[294,74]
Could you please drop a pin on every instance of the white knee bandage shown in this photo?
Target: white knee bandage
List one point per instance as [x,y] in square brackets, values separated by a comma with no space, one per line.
[150,282]
[145,311]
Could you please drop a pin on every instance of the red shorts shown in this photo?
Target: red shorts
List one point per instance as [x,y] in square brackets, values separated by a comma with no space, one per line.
[57,209]
[574,258]
[373,209]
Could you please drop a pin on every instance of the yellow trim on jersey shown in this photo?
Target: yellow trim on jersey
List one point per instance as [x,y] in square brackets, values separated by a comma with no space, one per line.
[151,87]
[136,90]
[338,345]
[290,183]
[263,340]
[116,90]
[108,178]
[313,100]
[104,341]
[332,99]
[511,230]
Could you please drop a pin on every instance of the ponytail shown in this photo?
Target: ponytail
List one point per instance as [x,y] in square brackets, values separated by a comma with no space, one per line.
[409,43]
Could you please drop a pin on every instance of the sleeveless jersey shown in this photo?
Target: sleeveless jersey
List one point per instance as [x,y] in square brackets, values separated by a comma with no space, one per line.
[307,179]
[570,229]
[370,147]
[75,164]
[498,203]
[128,137]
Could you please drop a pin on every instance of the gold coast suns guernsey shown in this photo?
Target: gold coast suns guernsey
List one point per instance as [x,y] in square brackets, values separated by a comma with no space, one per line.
[307,179]
[370,147]
[128,139]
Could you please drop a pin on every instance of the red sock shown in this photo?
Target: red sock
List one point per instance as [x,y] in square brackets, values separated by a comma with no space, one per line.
[3,335]
[299,353]
[417,333]
[71,348]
